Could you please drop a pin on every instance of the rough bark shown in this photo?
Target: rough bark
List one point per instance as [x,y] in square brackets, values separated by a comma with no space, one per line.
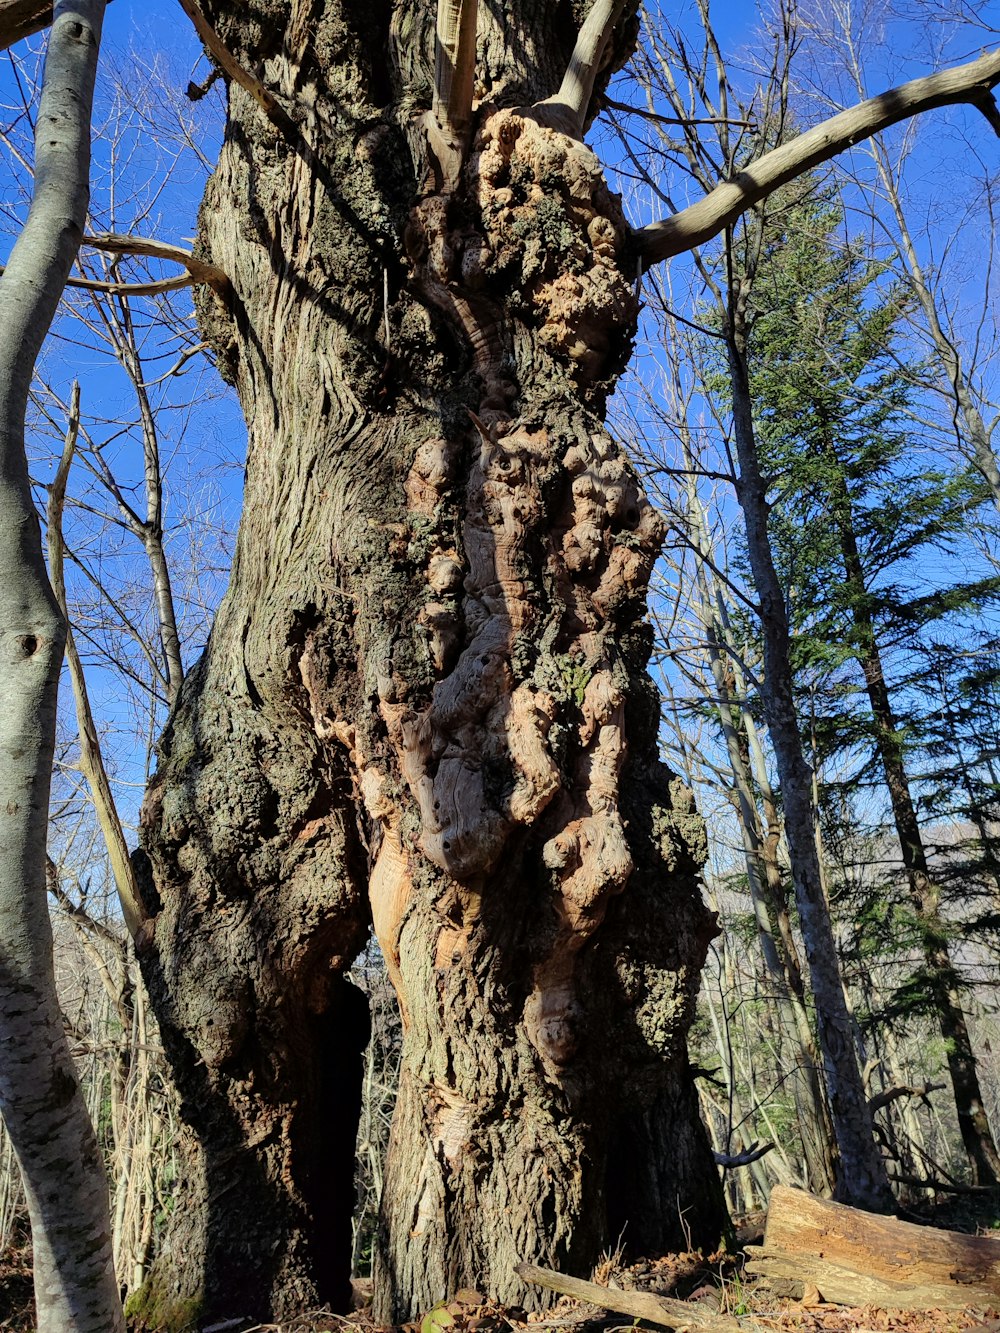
[424,703]
[862,1178]
[42,1106]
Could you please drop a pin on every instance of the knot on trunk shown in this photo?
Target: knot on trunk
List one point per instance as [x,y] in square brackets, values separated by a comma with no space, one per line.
[549,227]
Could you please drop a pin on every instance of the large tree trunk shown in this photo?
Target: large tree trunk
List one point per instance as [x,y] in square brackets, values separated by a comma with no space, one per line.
[40,1097]
[424,704]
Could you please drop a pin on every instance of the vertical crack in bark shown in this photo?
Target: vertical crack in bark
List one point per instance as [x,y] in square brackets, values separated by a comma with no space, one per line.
[452,642]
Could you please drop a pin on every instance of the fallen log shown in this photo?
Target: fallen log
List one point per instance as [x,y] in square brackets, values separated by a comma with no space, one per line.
[857,1258]
[681,1316]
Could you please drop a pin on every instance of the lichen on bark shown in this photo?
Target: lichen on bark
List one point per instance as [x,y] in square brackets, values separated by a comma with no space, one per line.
[424,703]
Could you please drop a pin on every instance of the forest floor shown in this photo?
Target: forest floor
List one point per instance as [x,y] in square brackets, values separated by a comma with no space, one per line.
[713,1285]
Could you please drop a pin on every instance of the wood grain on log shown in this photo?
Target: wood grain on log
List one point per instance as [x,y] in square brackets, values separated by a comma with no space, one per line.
[857,1258]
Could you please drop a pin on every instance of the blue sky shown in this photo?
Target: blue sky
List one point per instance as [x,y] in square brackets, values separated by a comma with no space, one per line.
[147,184]
[201,446]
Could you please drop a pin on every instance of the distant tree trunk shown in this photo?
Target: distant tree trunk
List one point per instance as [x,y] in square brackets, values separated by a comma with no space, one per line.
[967,411]
[862,1178]
[942,979]
[40,1098]
[424,703]
[763,876]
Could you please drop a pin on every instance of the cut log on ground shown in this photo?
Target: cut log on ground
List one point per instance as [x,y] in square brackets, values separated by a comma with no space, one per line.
[857,1258]
[681,1316]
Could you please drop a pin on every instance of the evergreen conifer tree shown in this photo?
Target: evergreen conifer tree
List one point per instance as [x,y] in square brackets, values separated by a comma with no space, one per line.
[856,518]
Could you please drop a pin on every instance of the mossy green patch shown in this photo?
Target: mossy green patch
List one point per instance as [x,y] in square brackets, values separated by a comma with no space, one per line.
[153,1310]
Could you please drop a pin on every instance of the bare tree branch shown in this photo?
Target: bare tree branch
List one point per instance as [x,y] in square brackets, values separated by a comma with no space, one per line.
[577,88]
[752,1154]
[941,1186]
[893,1094]
[22,18]
[971,83]
[610,103]
[233,70]
[199,270]
[152,288]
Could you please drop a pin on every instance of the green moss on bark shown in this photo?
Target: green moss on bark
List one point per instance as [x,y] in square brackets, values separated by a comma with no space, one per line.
[152,1309]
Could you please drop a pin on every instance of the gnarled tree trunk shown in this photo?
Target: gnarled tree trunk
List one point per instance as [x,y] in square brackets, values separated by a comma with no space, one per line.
[424,704]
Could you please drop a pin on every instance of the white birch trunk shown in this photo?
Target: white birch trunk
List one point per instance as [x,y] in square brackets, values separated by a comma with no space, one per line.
[39,1093]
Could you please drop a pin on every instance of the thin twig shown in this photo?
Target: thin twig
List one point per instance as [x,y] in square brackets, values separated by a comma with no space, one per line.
[675,120]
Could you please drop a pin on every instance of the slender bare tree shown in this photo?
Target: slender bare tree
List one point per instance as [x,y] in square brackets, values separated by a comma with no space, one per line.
[46,1117]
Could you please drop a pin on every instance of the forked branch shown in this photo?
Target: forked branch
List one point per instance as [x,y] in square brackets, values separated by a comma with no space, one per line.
[199,271]
[971,83]
[586,62]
